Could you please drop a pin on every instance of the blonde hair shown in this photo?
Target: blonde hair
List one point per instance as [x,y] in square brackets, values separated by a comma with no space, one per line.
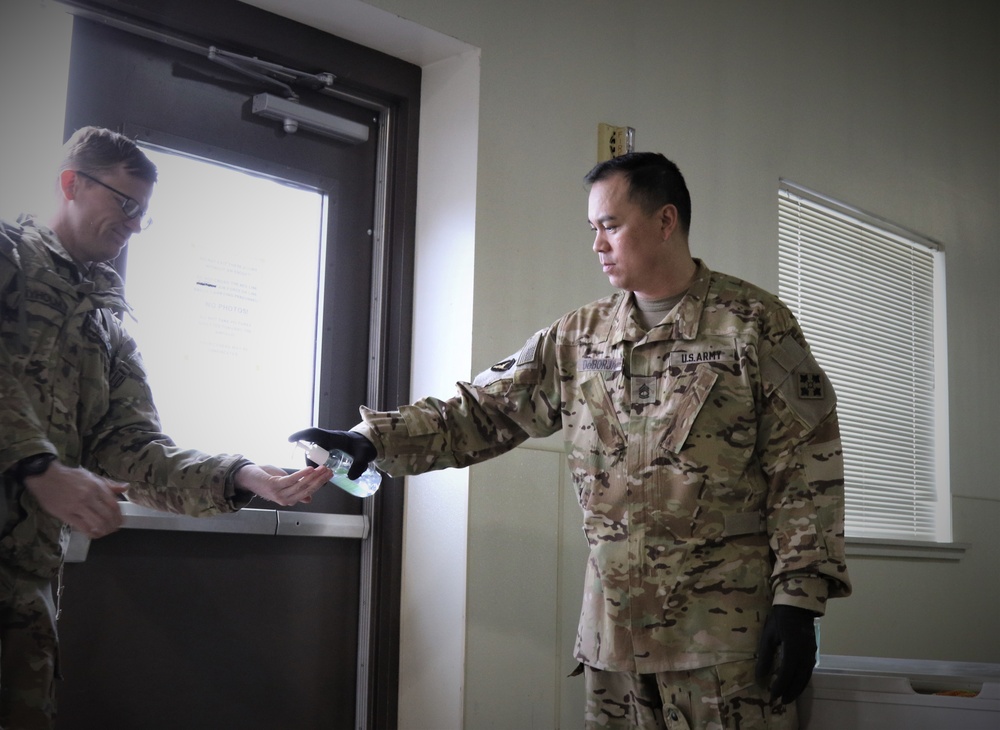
[95,149]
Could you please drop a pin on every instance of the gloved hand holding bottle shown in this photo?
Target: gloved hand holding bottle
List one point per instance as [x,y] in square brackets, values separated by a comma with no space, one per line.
[347,453]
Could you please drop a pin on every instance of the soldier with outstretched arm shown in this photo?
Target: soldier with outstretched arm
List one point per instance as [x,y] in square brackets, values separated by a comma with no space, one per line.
[704,447]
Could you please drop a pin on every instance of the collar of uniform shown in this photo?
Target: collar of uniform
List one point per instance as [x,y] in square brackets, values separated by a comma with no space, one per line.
[624,327]
[681,323]
[687,315]
[45,238]
[99,281]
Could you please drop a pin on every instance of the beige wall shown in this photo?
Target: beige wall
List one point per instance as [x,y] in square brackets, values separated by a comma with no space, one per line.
[888,105]
[34,104]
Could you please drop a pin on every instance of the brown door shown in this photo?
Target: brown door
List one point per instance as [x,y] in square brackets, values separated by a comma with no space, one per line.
[177,629]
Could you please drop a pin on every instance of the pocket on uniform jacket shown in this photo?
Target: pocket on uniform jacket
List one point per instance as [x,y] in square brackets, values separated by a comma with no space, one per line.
[420,421]
[690,393]
[735,676]
[603,413]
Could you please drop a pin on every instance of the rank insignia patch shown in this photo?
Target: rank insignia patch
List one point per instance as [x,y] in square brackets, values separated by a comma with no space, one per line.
[643,389]
[811,386]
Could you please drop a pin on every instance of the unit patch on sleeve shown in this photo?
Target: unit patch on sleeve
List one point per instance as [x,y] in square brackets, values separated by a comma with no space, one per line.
[525,358]
[503,366]
[793,373]
[811,386]
[495,372]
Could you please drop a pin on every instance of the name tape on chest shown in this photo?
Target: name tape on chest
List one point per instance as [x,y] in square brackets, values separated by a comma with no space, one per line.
[599,364]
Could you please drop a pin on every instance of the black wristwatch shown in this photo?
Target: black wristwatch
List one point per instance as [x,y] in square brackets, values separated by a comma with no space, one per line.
[32,466]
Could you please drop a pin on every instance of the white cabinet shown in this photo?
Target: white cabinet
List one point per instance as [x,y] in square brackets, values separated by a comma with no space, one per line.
[862,693]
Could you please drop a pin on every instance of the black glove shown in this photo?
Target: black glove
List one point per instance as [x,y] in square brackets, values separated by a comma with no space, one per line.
[360,449]
[789,635]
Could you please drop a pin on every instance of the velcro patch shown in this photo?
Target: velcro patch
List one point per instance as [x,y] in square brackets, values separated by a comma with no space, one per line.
[121,373]
[744,523]
[529,350]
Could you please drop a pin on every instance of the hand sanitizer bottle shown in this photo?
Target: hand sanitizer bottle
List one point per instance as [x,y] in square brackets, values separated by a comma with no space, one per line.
[365,486]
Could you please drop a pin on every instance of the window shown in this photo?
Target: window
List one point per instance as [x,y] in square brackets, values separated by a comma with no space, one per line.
[870,299]
[229,344]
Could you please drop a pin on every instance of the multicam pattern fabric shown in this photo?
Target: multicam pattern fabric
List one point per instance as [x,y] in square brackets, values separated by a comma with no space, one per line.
[705,454]
[27,615]
[709,698]
[73,384]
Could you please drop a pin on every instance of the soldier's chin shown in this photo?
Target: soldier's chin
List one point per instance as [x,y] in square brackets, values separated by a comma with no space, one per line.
[113,252]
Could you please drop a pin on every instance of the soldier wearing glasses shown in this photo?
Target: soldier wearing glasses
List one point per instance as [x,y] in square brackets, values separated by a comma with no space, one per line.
[78,426]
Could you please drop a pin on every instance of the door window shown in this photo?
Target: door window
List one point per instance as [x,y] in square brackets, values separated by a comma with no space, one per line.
[225,290]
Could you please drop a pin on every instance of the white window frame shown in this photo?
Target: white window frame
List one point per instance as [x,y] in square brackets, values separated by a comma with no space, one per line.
[835,263]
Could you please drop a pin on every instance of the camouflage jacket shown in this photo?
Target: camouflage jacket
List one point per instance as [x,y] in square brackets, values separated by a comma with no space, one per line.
[705,454]
[72,384]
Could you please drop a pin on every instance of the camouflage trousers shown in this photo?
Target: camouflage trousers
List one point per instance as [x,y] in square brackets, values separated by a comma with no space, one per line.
[723,697]
[28,651]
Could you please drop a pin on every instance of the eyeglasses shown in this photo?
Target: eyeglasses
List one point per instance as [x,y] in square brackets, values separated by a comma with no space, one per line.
[131,207]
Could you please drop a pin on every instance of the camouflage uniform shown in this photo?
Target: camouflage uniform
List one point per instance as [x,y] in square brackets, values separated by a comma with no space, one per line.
[705,454]
[73,384]
[709,698]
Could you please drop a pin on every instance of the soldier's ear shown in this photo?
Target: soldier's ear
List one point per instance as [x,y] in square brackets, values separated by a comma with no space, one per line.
[669,220]
[68,184]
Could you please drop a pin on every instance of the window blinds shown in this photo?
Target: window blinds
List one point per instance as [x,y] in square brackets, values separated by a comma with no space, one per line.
[865,297]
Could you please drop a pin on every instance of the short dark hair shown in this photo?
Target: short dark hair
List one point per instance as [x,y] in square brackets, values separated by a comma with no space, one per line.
[95,149]
[653,181]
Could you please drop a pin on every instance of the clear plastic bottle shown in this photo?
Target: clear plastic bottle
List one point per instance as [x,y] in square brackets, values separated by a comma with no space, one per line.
[365,486]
